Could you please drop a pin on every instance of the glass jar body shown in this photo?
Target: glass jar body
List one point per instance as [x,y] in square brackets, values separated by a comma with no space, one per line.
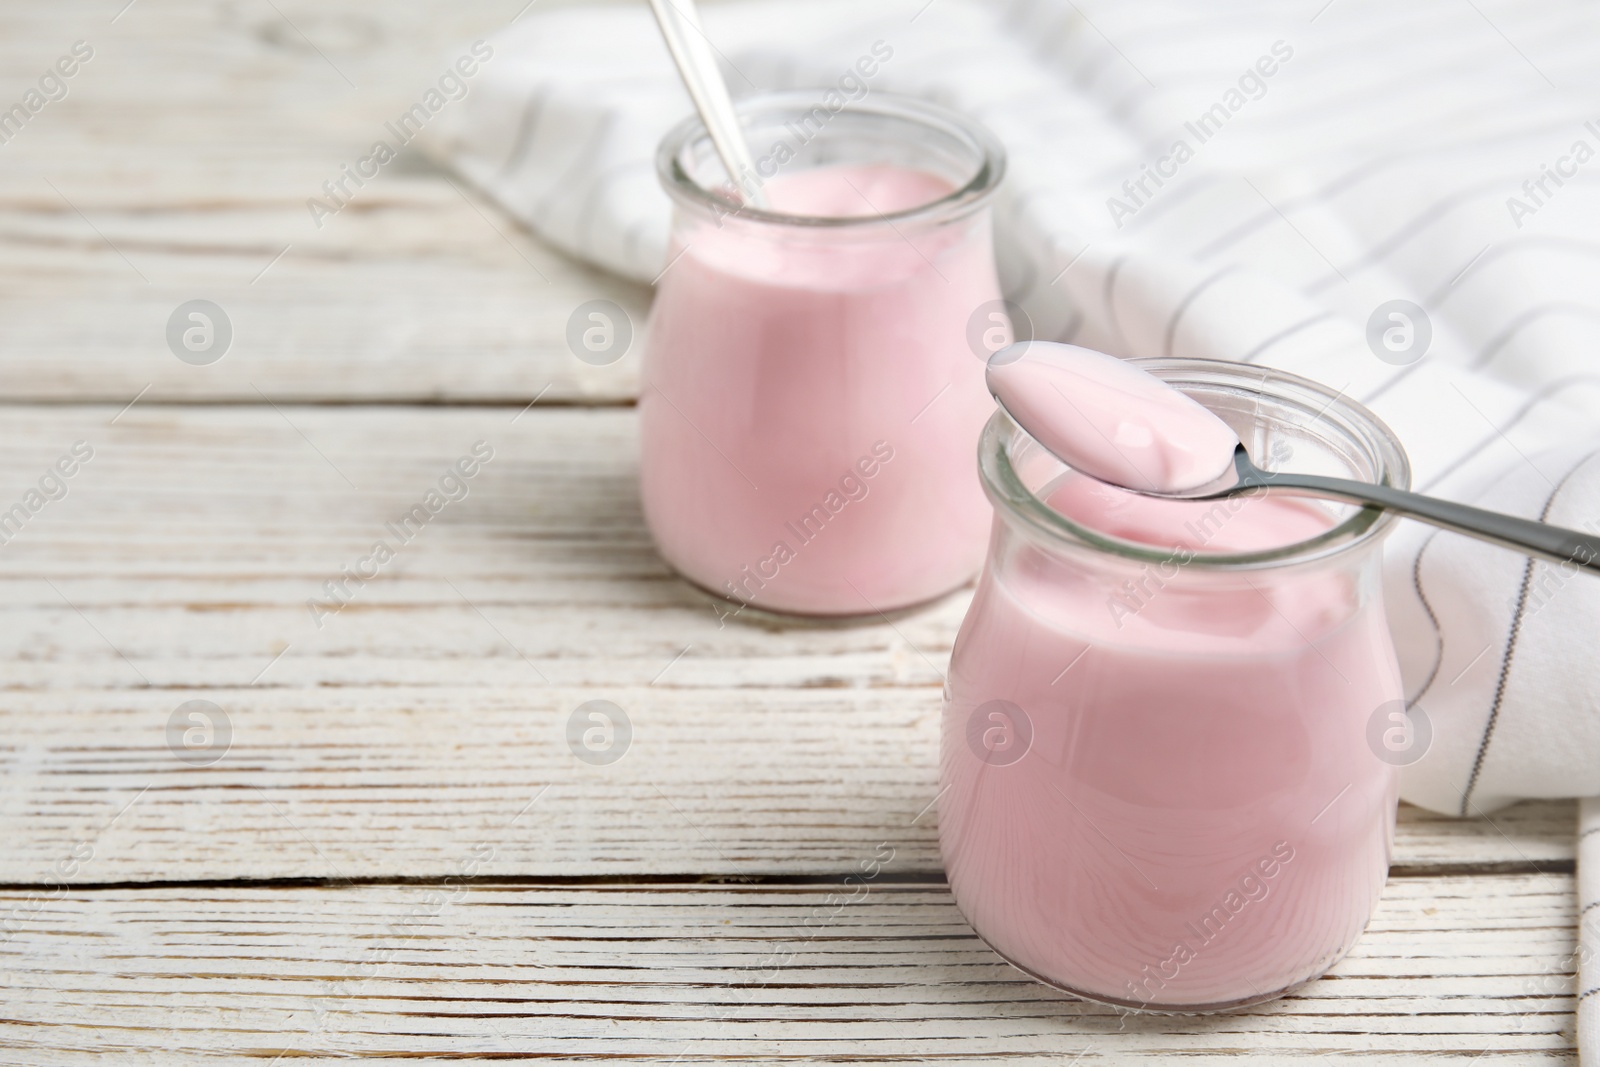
[810,399]
[1159,788]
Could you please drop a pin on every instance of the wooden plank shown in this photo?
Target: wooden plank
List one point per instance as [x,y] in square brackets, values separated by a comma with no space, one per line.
[1459,970]
[434,707]
[365,782]
[179,166]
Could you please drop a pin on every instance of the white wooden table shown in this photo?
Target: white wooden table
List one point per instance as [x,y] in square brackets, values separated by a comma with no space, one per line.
[396,854]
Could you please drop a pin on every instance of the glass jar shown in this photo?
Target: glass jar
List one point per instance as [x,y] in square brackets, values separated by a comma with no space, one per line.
[1159,791]
[810,396]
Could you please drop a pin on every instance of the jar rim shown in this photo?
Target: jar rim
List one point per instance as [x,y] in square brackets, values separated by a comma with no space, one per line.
[989,155]
[1014,500]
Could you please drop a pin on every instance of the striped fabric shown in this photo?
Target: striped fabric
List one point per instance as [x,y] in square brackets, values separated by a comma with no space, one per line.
[1237,180]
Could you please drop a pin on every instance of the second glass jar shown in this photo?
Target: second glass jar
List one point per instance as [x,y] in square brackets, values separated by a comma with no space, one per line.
[811,394]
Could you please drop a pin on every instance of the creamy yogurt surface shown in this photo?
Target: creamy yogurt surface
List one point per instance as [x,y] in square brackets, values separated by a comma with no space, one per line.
[1110,420]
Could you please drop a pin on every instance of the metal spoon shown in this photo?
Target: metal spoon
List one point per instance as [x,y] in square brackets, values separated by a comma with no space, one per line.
[691,52]
[1542,539]
[1128,404]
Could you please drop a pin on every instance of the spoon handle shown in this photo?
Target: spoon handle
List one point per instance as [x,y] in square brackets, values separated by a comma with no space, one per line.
[1555,543]
[691,51]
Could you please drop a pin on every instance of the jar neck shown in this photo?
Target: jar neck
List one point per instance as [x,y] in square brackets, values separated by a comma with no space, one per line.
[1270,411]
[1019,553]
[795,131]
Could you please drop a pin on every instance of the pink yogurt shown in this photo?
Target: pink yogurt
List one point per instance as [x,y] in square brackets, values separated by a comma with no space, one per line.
[1107,418]
[810,403]
[1196,820]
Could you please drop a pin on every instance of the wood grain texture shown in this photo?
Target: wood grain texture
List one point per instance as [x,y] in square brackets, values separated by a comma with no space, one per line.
[178,167]
[1454,970]
[434,707]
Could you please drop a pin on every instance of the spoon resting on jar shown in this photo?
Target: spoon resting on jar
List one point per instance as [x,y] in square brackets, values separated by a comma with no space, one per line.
[1106,418]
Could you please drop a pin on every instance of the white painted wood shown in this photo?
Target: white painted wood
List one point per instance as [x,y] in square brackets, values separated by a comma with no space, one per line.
[1452,970]
[434,707]
[179,166]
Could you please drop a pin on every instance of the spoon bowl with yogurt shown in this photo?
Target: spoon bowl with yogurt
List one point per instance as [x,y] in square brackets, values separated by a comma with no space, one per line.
[1110,420]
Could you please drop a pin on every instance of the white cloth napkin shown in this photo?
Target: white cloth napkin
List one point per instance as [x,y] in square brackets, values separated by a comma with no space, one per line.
[1393,152]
